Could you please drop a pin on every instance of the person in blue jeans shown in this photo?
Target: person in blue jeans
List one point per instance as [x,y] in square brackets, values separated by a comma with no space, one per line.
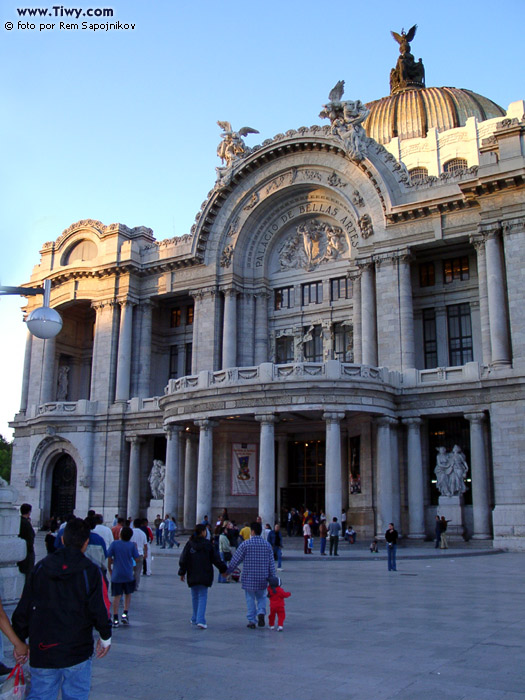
[196,565]
[258,566]
[391,546]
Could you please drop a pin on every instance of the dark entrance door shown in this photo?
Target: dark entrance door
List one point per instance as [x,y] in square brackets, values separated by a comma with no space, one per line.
[64,487]
[306,475]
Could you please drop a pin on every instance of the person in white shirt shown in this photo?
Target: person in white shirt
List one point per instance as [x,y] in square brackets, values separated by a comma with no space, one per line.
[140,539]
[103,530]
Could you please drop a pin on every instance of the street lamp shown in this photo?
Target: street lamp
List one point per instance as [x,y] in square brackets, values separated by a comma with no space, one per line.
[43,322]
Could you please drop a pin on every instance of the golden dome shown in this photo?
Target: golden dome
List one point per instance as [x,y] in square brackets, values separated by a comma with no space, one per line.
[410,114]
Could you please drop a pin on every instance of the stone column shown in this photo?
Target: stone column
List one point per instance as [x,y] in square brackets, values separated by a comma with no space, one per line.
[261,327]
[27,373]
[134,476]
[384,474]
[396,483]
[333,486]
[229,330]
[124,351]
[497,301]
[267,468]
[197,298]
[480,477]
[104,352]
[282,470]
[48,392]
[171,482]
[144,364]
[368,315]
[205,469]
[479,245]
[356,295]
[406,312]
[190,481]
[247,346]
[416,510]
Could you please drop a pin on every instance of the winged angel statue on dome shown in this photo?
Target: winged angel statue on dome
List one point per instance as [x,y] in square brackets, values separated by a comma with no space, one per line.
[232,146]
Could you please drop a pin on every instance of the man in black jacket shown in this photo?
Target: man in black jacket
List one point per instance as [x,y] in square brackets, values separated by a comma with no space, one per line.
[28,534]
[63,599]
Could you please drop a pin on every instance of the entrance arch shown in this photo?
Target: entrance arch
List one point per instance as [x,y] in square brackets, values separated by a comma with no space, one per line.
[63,487]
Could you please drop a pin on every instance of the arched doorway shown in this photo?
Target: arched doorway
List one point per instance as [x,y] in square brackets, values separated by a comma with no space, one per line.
[63,487]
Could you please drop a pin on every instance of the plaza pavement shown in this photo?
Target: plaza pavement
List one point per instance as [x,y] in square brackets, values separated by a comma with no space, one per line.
[446,626]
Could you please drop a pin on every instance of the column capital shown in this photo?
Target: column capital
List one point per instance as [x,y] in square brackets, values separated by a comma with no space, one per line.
[333,416]
[478,241]
[135,439]
[171,428]
[489,230]
[411,422]
[267,418]
[98,305]
[477,417]
[229,291]
[383,421]
[365,264]
[262,294]
[126,302]
[206,424]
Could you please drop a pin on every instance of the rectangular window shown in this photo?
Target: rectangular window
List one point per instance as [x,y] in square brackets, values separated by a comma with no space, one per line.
[340,288]
[312,293]
[343,343]
[188,353]
[176,318]
[284,350]
[459,334]
[189,315]
[313,346]
[430,338]
[174,361]
[284,298]
[427,275]
[455,269]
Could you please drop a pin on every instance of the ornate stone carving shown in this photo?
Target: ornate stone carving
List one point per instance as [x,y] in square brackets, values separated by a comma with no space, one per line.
[234,227]
[62,383]
[346,118]
[335,181]
[85,481]
[253,202]
[356,199]
[313,243]
[232,146]
[451,470]
[226,256]
[407,74]
[365,226]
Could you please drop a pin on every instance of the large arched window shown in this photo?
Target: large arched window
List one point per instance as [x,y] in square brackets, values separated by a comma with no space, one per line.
[80,252]
[418,174]
[455,166]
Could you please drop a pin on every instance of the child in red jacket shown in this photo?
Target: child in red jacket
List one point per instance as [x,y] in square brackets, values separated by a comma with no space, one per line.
[276,596]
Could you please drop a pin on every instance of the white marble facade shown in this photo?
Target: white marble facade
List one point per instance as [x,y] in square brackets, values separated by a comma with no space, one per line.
[320,299]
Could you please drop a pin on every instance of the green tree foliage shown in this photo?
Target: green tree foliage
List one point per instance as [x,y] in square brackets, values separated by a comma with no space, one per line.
[6,451]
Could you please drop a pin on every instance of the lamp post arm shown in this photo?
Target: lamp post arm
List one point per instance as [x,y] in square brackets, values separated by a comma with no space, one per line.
[21,291]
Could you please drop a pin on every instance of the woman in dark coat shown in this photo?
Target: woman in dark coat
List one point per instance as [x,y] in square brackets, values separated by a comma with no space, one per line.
[197,561]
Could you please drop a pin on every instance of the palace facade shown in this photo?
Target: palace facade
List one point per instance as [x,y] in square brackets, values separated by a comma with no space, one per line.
[349,299]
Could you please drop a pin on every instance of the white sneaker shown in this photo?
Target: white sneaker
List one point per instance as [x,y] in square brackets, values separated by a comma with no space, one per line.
[201,626]
[280,629]
[279,569]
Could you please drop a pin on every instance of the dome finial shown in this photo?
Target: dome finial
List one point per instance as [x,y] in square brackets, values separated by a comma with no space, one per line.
[407,75]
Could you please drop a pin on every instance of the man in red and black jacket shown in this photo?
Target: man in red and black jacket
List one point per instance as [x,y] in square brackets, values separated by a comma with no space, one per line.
[64,598]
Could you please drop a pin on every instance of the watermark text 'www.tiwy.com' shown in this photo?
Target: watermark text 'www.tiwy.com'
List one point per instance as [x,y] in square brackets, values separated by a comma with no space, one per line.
[61,11]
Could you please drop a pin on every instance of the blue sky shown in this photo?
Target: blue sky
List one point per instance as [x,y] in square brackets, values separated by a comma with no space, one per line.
[121,125]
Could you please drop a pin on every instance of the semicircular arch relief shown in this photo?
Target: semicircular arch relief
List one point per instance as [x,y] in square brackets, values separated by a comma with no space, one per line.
[304,230]
[344,185]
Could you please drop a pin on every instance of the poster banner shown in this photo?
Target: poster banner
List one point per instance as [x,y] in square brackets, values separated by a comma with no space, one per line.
[244,469]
